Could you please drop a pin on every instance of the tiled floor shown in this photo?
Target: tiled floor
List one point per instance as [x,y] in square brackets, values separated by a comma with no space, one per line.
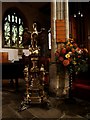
[11,102]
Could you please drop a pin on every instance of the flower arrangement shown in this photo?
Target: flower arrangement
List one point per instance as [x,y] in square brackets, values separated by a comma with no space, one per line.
[71,55]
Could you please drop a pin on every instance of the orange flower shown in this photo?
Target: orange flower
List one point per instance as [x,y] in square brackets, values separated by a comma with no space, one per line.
[73,50]
[71,45]
[70,53]
[66,62]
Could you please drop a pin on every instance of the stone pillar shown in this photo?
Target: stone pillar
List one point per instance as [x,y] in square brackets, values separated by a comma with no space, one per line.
[61,75]
[67,19]
[59,11]
[60,14]
[66,14]
[52,67]
[1,25]
[1,59]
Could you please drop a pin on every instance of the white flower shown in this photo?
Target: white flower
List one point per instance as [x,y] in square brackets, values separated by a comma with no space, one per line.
[70,53]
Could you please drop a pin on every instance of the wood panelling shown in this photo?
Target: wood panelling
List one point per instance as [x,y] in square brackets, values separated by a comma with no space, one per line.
[3,57]
[60,31]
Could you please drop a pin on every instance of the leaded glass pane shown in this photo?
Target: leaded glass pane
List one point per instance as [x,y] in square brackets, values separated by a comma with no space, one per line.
[12,18]
[19,21]
[9,18]
[7,26]
[7,34]
[14,35]
[20,30]
[20,35]
[13,30]
[16,19]
[6,18]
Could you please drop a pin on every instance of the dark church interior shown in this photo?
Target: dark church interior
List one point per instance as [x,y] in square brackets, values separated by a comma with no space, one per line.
[35,85]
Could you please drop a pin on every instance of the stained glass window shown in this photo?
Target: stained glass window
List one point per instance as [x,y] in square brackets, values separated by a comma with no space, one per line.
[12,30]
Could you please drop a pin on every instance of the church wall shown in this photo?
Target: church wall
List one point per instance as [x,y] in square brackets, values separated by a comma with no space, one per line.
[31,14]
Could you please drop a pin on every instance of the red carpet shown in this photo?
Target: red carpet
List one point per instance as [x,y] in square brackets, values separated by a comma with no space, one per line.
[81,88]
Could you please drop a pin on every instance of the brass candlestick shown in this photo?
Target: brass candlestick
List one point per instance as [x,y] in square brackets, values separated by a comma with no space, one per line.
[34,76]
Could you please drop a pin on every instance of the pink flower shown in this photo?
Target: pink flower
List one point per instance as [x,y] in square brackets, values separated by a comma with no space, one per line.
[63,50]
[70,53]
[79,56]
[75,45]
[61,58]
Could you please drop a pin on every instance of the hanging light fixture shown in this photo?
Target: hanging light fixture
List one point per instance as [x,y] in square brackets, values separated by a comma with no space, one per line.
[78,12]
[81,15]
[75,15]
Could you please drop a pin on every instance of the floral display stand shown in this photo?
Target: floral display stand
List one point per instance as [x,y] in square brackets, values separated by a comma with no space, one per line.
[72,58]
